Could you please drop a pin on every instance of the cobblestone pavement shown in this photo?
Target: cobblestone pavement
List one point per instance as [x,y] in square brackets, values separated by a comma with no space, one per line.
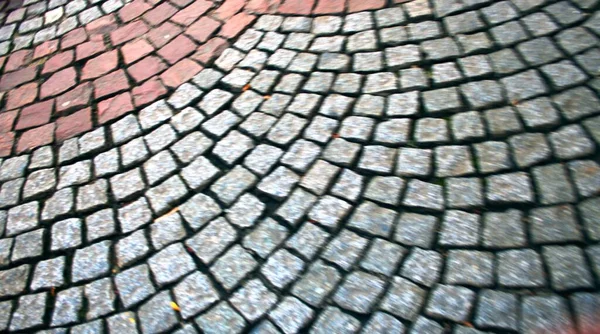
[332,166]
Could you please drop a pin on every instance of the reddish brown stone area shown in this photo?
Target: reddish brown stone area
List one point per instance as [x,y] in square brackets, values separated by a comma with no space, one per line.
[58,83]
[74,124]
[34,115]
[33,138]
[114,107]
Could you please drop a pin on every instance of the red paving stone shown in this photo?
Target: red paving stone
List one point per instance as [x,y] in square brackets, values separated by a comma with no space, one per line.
[18,59]
[263,6]
[103,25]
[45,49]
[298,7]
[75,98]
[192,12]
[177,49]
[22,96]
[146,68]
[73,38]
[163,34]
[135,50]
[35,115]
[228,9]
[7,120]
[74,124]
[133,10]
[59,82]
[100,65]
[210,50]
[360,5]
[160,14]
[114,107]
[89,49]
[58,61]
[148,92]
[37,137]
[128,32]
[180,73]
[203,29]
[236,25]
[6,144]
[181,3]
[16,78]
[111,83]
[329,7]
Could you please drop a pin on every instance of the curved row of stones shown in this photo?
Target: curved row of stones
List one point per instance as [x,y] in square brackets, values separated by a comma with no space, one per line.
[386,171]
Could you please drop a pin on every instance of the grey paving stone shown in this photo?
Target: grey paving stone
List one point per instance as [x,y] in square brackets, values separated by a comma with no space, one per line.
[568,268]
[91,262]
[380,83]
[403,299]
[49,273]
[59,204]
[530,149]
[263,158]
[232,267]
[265,238]
[93,195]
[159,167]
[563,74]
[245,211]
[258,124]
[296,24]
[538,113]
[474,43]
[157,315]
[77,173]
[576,103]
[319,82]
[301,155]
[414,162]
[320,129]
[253,299]
[372,219]
[464,192]
[554,224]
[470,268]
[377,159]
[424,30]
[585,306]
[506,61]
[308,240]
[131,248]
[221,319]
[289,83]
[134,215]
[100,296]
[341,152]
[299,42]
[191,146]
[413,229]
[212,240]
[500,12]
[22,218]
[282,268]
[67,306]
[231,148]
[329,211]
[30,312]
[127,185]
[195,294]
[170,264]
[291,315]
[100,224]
[247,103]
[41,158]
[496,309]
[383,323]
[230,186]
[66,234]
[186,120]
[303,62]
[359,292]
[38,182]
[588,210]
[453,161]
[106,163]
[431,131]
[9,194]
[88,327]
[543,313]
[317,283]
[460,228]
[332,320]
[445,73]
[13,168]
[122,323]
[28,245]
[509,188]
[160,138]
[492,156]
[520,268]
[345,249]
[450,302]
[328,44]
[286,129]
[279,183]
[509,33]
[5,249]
[296,206]
[570,142]
[276,104]
[347,83]
[131,294]
[422,266]
[221,123]
[504,229]
[425,325]
[319,177]
[424,195]
[383,257]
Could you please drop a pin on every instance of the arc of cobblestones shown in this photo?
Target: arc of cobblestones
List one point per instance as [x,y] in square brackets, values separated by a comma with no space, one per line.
[299,166]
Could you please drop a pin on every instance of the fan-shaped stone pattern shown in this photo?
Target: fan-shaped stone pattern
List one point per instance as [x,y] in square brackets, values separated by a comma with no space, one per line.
[372,166]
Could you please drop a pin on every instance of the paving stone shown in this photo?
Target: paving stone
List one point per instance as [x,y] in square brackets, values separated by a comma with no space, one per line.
[460,228]
[28,245]
[422,266]
[279,183]
[415,229]
[247,103]
[585,306]
[471,268]
[301,155]
[541,313]
[100,296]
[22,218]
[230,186]
[404,299]
[359,291]
[66,234]
[14,168]
[131,294]
[497,309]
[134,215]
[154,114]
[231,148]
[504,229]
[319,177]
[9,194]
[221,318]
[194,294]
[554,224]
[380,83]
[41,158]
[30,312]
[431,130]
[414,162]
[100,224]
[424,195]
[123,322]
[332,320]
[265,238]
[576,103]
[212,240]
[329,212]
[253,299]
[320,129]
[157,315]
[232,267]
[262,158]
[520,268]
[131,248]
[341,152]
[286,129]
[245,211]
[276,104]
[67,306]
[450,302]
[58,205]
[91,262]
[567,267]
[509,188]
[345,249]
[191,146]
[571,142]
[282,268]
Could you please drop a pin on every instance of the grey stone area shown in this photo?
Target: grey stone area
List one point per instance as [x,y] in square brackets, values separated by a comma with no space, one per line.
[423,166]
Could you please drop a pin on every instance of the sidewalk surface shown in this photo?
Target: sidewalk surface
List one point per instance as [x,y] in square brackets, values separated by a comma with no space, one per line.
[283,166]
